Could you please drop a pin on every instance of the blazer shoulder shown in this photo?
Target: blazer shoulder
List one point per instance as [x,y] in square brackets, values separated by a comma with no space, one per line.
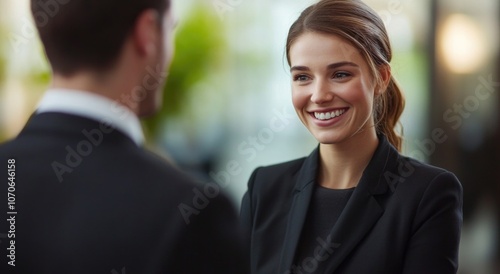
[288,167]
[266,177]
[427,174]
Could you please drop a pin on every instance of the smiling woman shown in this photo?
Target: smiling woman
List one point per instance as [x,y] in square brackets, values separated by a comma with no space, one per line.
[332,89]
[354,205]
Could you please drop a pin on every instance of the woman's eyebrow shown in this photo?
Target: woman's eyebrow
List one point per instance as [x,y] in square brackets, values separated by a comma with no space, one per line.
[330,66]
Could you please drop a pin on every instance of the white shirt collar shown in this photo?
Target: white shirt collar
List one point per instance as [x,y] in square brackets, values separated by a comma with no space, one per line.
[95,107]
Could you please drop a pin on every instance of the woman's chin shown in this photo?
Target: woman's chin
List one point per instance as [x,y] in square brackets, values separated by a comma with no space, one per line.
[328,138]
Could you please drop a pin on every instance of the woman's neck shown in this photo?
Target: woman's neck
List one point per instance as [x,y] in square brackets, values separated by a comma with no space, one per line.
[342,164]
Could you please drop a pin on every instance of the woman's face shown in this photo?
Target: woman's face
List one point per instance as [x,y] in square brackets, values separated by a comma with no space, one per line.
[332,87]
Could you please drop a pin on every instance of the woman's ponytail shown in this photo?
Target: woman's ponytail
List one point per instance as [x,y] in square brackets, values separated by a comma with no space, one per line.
[388,108]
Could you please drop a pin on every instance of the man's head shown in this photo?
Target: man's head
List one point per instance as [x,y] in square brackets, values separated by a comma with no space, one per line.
[87,34]
[99,36]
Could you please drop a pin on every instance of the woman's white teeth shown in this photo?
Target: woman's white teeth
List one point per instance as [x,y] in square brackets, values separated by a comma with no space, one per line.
[328,115]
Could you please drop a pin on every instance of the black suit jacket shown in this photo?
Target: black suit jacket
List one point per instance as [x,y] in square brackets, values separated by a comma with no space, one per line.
[403,217]
[116,210]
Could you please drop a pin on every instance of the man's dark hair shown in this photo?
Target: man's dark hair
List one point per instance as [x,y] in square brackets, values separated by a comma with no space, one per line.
[87,34]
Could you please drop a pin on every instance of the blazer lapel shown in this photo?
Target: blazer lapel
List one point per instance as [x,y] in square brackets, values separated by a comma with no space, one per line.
[363,210]
[301,199]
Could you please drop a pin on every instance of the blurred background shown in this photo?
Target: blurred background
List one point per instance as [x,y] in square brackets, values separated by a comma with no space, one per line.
[228,105]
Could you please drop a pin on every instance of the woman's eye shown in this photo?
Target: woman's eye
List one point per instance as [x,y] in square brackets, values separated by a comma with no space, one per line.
[341,75]
[301,78]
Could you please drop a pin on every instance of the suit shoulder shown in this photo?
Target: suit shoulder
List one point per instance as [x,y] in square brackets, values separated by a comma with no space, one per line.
[424,167]
[276,170]
[267,177]
[426,173]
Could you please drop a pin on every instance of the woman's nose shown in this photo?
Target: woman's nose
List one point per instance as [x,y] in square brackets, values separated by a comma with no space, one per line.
[321,93]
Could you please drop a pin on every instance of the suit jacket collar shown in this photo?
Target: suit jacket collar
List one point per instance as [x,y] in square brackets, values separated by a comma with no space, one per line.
[93,106]
[72,125]
[301,198]
[360,214]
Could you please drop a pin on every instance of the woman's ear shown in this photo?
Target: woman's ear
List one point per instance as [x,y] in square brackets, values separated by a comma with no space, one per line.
[385,77]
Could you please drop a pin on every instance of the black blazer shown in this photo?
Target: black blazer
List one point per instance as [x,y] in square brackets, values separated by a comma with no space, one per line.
[116,209]
[403,217]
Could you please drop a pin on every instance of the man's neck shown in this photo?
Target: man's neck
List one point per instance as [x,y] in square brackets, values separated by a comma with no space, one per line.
[103,84]
[86,82]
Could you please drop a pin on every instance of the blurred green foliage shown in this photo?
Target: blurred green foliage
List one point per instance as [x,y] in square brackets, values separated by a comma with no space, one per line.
[200,47]
[200,50]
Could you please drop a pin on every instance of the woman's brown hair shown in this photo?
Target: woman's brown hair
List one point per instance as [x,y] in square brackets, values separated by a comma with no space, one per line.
[358,24]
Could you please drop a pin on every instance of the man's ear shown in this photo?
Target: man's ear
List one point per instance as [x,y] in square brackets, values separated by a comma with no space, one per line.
[385,77]
[146,32]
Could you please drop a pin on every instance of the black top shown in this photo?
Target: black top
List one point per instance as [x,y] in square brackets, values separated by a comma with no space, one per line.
[324,211]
